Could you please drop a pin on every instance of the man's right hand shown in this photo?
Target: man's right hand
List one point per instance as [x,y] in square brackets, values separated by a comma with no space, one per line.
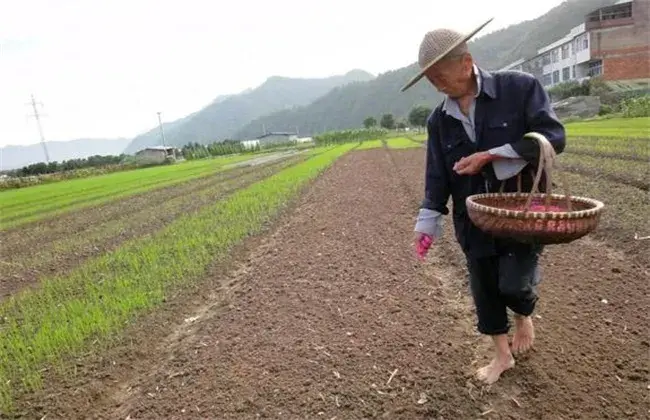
[418,246]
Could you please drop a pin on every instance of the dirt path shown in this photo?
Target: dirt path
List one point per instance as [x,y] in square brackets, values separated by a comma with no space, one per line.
[331,317]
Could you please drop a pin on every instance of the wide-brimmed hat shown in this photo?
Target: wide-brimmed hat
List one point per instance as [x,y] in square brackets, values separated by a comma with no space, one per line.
[436,45]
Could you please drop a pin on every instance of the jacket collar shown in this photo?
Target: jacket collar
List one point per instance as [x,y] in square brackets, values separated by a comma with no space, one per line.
[488,83]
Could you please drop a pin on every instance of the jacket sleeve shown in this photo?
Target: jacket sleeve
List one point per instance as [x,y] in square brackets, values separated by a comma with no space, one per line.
[436,184]
[540,118]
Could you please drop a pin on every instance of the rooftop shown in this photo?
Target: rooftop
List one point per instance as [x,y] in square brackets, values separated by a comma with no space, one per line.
[276,133]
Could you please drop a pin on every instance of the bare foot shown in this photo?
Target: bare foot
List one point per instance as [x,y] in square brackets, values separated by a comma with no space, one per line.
[491,373]
[524,336]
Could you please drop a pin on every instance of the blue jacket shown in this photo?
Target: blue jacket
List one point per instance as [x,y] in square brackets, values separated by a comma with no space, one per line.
[509,104]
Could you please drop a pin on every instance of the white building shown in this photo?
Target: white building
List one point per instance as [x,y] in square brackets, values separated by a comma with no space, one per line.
[250,144]
[612,43]
[566,59]
[156,154]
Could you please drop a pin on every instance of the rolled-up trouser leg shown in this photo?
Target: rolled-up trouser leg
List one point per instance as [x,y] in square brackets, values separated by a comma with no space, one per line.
[484,284]
[518,278]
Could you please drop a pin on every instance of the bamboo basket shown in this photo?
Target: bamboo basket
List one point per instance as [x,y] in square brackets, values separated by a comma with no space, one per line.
[540,218]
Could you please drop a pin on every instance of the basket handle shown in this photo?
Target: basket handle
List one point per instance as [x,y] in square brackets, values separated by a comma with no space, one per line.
[547,157]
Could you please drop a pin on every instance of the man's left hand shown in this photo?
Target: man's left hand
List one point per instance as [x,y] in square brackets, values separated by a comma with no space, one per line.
[472,164]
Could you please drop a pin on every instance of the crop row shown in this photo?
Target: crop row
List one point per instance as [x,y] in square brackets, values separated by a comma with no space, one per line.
[628,172]
[42,326]
[611,127]
[625,148]
[58,250]
[347,136]
[626,210]
[33,203]
[402,143]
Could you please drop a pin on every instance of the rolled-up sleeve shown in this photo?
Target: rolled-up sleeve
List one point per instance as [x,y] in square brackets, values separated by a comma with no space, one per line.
[540,118]
[436,184]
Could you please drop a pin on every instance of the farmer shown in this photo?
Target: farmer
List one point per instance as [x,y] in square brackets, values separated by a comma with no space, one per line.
[475,143]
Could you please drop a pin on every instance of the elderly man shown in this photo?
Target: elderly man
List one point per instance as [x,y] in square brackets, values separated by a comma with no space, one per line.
[475,143]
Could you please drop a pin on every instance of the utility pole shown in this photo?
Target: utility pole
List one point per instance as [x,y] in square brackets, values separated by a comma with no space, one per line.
[162,132]
[40,129]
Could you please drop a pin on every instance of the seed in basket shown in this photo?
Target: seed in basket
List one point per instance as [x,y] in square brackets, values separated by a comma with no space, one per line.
[544,208]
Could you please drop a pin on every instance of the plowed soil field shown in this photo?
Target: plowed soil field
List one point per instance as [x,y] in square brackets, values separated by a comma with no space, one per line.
[330,316]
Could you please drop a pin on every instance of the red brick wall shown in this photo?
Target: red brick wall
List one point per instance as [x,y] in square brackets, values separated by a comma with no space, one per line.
[625,50]
[633,65]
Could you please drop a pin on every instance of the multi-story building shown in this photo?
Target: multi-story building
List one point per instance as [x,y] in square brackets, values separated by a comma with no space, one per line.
[613,42]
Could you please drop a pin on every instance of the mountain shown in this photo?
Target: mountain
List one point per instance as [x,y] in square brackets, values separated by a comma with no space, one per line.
[226,114]
[14,157]
[347,106]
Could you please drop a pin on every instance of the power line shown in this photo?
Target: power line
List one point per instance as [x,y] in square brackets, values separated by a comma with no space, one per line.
[40,129]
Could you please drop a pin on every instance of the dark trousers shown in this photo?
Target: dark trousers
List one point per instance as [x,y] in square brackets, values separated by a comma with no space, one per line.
[508,280]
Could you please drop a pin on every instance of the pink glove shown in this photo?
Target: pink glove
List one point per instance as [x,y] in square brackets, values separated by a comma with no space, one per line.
[423,245]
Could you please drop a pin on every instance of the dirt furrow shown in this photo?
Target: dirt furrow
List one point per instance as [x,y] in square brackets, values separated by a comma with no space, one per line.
[26,268]
[639,181]
[592,354]
[613,155]
[330,316]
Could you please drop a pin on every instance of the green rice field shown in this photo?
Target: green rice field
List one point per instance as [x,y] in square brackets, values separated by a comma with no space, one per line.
[23,205]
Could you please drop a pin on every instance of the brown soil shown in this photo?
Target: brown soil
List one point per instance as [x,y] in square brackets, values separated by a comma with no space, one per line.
[55,246]
[633,180]
[331,317]
[611,155]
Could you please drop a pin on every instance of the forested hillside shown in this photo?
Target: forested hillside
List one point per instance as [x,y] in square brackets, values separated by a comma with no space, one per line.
[348,106]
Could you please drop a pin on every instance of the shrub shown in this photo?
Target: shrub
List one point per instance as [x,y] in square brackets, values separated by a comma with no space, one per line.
[636,107]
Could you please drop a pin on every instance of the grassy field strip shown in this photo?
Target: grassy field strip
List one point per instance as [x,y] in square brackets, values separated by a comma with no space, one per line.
[634,172]
[44,325]
[402,143]
[77,222]
[370,144]
[632,147]
[419,137]
[27,204]
[35,194]
[136,222]
[612,127]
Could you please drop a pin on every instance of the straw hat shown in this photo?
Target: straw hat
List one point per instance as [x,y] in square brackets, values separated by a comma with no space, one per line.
[436,45]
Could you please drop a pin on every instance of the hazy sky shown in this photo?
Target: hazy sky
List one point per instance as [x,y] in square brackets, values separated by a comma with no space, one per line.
[104,68]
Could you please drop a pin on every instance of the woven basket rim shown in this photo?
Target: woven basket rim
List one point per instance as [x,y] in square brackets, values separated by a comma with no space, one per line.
[596,207]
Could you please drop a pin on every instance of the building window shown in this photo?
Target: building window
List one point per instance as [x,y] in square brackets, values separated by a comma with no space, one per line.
[566,73]
[555,56]
[573,72]
[585,42]
[556,76]
[565,51]
[547,79]
[595,68]
[546,59]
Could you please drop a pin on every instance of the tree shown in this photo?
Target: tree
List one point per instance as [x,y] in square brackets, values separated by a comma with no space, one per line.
[401,125]
[387,121]
[418,115]
[369,122]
